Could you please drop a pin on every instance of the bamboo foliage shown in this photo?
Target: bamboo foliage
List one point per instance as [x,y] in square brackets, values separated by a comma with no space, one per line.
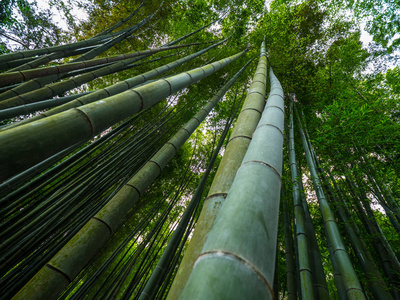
[85,244]
[238,258]
[233,156]
[26,145]
[123,21]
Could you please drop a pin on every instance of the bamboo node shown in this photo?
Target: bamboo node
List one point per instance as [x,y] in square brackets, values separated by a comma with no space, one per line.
[265,164]
[241,260]
[59,271]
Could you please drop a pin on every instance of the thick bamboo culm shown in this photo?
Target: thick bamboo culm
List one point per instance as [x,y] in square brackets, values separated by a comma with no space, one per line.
[155,278]
[238,258]
[233,156]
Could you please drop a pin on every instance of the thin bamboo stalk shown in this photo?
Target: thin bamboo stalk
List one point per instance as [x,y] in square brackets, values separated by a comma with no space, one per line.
[319,277]
[238,258]
[375,280]
[72,46]
[301,235]
[120,86]
[353,287]
[16,77]
[289,255]
[34,90]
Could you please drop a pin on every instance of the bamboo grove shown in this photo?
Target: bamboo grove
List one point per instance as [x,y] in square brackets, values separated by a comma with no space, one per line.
[203,150]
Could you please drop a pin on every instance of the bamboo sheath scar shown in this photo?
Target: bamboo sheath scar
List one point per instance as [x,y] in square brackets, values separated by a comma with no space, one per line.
[26,145]
[233,156]
[50,281]
[238,258]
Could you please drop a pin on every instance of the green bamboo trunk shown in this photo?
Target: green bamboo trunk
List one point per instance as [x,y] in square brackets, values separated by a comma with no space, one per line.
[36,90]
[353,287]
[375,280]
[289,255]
[27,87]
[16,77]
[33,107]
[368,223]
[319,278]
[26,145]
[50,281]
[238,257]
[50,90]
[119,87]
[235,150]
[301,235]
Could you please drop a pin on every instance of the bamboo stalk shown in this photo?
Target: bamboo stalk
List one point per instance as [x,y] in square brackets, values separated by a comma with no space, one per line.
[35,90]
[16,77]
[120,86]
[375,280]
[238,258]
[151,288]
[353,287]
[289,255]
[301,235]
[72,46]
[235,150]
